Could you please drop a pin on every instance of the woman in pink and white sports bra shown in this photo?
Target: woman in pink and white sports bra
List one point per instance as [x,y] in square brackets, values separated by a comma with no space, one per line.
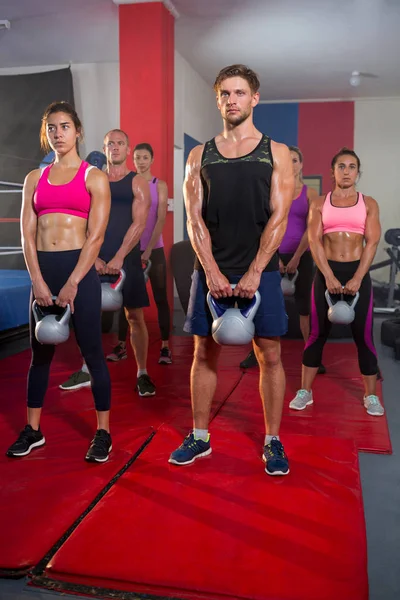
[343,232]
[64,216]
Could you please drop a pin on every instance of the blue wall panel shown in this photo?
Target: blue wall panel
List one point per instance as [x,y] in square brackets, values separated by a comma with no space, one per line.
[278,121]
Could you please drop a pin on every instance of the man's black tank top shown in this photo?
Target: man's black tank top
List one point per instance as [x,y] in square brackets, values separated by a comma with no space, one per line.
[120,217]
[236,205]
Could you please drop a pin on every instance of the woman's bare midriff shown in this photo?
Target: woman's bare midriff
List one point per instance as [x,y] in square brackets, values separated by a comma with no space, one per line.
[342,246]
[57,232]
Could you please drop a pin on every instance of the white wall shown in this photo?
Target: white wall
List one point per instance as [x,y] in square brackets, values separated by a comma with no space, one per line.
[96,92]
[196,114]
[376,141]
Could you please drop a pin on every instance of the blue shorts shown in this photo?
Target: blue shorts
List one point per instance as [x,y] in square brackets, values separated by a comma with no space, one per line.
[270,321]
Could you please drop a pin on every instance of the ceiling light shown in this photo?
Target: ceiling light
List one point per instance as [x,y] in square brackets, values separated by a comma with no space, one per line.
[355,79]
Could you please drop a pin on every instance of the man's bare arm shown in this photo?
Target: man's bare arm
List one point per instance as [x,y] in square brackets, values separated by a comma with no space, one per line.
[140,211]
[282,190]
[198,233]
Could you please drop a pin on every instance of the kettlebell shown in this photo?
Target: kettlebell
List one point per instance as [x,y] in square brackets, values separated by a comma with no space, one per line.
[111,293]
[233,326]
[51,329]
[341,312]
[289,285]
[146,270]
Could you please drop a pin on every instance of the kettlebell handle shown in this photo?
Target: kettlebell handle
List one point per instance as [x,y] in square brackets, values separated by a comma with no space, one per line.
[37,310]
[351,304]
[215,309]
[39,314]
[295,276]
[147,268]
[355,300]
[117,285]
[247,312]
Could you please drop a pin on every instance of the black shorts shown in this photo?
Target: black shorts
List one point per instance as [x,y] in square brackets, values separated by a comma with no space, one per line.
[134,291]
[304,281]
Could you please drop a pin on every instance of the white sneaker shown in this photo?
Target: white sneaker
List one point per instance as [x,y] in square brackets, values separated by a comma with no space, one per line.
[301,400]
[373,406]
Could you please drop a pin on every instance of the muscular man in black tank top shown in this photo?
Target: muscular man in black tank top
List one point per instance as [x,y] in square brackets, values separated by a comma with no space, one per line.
[238,191]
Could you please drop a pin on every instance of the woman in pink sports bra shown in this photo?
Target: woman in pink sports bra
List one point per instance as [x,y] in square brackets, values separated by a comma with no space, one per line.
[64,216]
[343,232]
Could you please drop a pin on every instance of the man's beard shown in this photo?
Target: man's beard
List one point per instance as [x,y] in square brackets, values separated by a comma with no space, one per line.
[237,118]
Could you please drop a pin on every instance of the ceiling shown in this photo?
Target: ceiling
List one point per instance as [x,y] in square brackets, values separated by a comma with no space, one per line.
[302,49]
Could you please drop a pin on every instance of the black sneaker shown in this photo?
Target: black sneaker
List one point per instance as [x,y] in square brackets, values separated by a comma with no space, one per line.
[118,353]
[165,357]
[27,440]
[145,386]
[249,361]
[100,447]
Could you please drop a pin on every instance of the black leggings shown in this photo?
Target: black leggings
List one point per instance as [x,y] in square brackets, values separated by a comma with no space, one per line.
[158,280]
[361,327]
[302,294]
[56,267]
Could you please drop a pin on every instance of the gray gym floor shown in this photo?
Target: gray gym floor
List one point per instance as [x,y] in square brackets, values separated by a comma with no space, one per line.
[380,477]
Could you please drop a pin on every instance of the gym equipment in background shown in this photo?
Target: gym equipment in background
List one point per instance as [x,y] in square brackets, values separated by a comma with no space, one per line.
[97,159]
[47,160]
[390,335]
[387,292]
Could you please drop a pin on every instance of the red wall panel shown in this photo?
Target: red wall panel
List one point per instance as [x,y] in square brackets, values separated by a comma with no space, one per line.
[324,128]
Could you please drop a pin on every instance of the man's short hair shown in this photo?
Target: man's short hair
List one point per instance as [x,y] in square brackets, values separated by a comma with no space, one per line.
[117,131]
[238,71]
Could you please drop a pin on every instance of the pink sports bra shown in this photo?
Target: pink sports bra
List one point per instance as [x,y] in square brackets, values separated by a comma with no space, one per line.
[344,218]
[70,198]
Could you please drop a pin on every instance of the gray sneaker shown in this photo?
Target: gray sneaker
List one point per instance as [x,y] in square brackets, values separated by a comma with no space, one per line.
[373,406]
[77,380]
[301,400]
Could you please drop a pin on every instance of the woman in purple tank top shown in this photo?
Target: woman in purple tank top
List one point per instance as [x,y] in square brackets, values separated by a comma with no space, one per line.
[294,254]
[152,248]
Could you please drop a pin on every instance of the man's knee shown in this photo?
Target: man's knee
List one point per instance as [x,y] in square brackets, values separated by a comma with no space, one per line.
[205,349]
[268,352]
[134,316]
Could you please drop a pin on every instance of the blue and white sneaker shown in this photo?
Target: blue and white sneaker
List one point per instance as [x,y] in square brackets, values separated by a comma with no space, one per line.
[276,461]
[190,450]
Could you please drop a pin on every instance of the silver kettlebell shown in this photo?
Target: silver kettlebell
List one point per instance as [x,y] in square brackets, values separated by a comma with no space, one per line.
[111,293]
[146,270]
[51,329]
[289,285]
[341,312]
[233,326]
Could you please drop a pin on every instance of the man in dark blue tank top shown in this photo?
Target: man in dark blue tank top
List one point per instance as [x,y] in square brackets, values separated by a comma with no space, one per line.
[130,203]
[238,191]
